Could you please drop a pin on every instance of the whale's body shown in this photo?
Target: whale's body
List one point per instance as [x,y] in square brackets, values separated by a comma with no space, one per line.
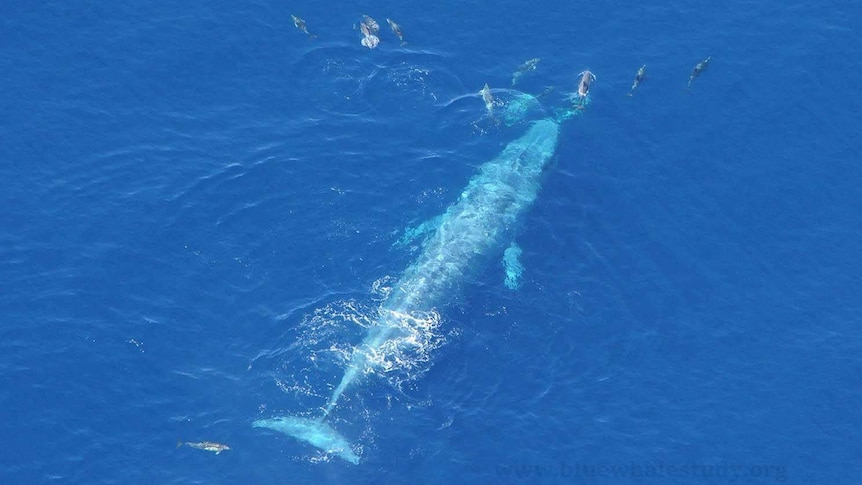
[475,227]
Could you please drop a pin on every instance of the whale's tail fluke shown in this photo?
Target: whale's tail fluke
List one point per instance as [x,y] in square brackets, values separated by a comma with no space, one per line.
[315,432]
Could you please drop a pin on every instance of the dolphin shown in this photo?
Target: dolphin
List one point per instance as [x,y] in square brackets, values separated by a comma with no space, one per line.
[488,98]
[300,24]
[478,225]
[699,68]
[527,66]
[205,445]
[396,29]
[639,77]
[587,79]
[369,28]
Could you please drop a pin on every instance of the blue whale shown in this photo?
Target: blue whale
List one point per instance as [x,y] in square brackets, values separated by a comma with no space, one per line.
[479,224]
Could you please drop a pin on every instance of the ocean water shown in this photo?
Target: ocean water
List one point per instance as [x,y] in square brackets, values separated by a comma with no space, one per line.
[201,208]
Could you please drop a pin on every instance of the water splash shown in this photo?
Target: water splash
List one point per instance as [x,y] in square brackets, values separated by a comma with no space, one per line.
[326,339]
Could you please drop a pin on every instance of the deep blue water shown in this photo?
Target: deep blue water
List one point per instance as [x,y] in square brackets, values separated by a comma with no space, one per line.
[197,203]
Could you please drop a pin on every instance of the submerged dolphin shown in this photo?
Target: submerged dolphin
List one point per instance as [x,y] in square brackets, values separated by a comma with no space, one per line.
[697,70]
[476,226]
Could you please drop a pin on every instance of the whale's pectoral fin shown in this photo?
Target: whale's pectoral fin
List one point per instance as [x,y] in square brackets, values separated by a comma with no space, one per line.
[411,234]
[512,265]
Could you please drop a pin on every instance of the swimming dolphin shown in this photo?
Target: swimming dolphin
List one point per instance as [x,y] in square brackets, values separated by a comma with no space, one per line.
[586,80]
[488,98]
[697,70]
[300,24]
[396,29]
[527,66]
[369,28]
[206,446]
[641,75]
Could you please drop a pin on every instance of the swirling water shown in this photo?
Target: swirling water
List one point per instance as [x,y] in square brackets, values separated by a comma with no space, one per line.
[201,208]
